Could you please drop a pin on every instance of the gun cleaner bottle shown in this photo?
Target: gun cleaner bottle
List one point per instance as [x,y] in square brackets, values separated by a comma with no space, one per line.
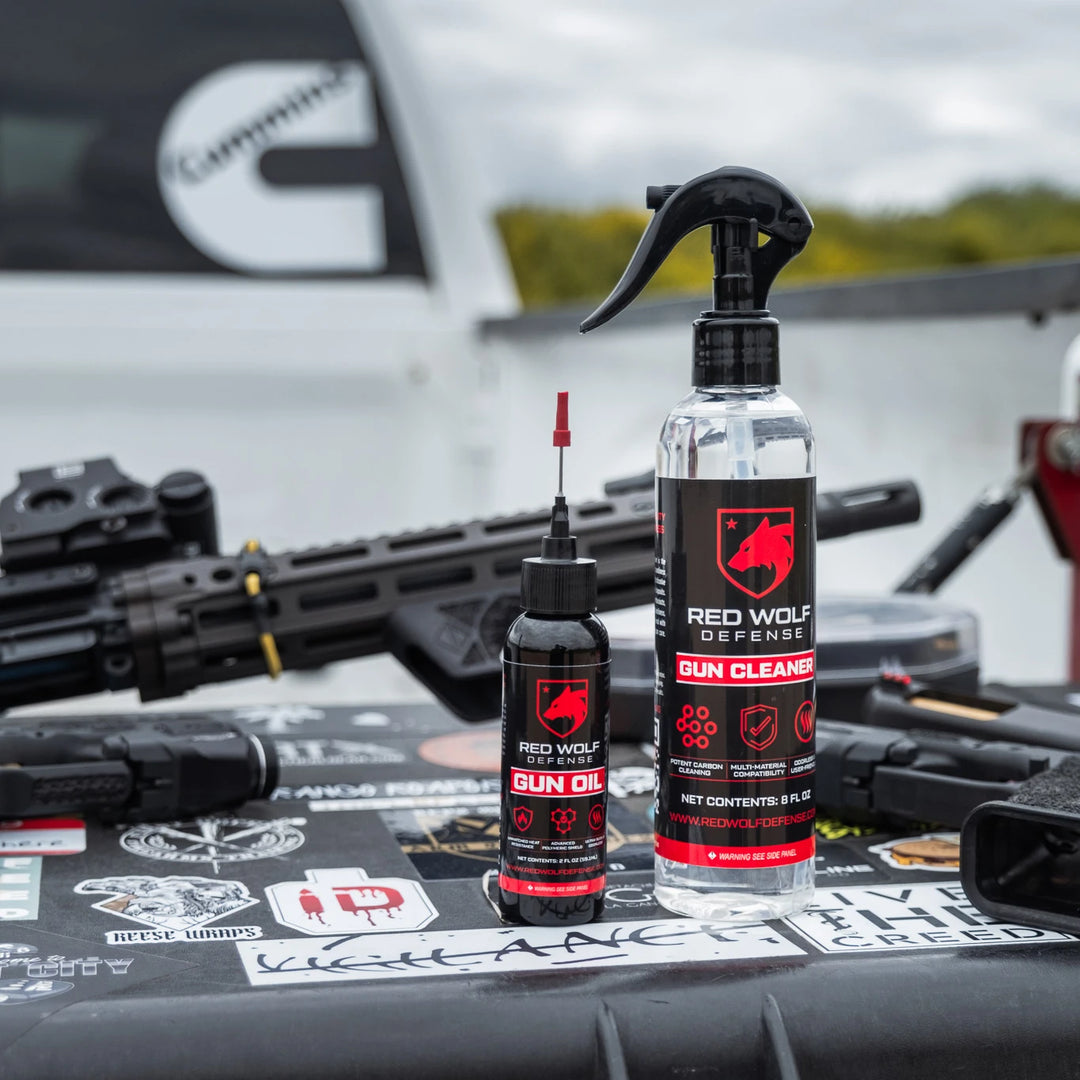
[735,533]
[553,824]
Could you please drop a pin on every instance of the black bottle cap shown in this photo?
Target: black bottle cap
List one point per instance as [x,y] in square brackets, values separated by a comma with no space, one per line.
[736,351]
[558,582]
[735,344]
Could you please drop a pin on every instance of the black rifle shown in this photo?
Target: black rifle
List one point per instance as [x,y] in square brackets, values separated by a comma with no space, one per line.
[867,773]
[94,596]
[131,768]
[1014,791]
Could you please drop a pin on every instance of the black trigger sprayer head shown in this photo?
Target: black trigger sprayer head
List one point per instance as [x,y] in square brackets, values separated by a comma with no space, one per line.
[735,343]
[558,582]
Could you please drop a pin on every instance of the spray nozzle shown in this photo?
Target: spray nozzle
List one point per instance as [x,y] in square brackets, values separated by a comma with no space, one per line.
[736,342]
[739,204]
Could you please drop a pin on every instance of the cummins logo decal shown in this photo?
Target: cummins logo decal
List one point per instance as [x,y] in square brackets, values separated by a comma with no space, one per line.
[210,160]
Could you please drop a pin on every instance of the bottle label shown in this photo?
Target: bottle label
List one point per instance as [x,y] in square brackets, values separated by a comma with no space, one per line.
[735,700]
[554,793]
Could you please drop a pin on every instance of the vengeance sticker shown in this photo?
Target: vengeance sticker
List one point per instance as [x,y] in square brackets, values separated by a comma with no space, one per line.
[175,908]
[504,951]
[344,900]
[884,918]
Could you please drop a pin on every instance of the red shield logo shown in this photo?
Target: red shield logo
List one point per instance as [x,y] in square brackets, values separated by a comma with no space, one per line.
[758,726]
[755,548]
[522,818]
[562,705]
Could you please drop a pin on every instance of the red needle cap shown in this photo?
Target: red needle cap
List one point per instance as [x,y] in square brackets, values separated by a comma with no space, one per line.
[561,435]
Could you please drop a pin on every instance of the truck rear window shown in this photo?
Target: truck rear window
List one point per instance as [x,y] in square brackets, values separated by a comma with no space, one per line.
[196,136]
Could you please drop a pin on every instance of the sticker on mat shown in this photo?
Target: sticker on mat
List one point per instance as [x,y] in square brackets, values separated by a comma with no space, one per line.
[346,901]
[460,841]
[394,794]
[505,951]
[215,840]
[473,751]
[630,780]
[19,991]
[277,719]
[45,972]
[300,752]
[370,719]
[836,864]
[939,852]
[924,916]
[42,836]
[20,887]
[175,908]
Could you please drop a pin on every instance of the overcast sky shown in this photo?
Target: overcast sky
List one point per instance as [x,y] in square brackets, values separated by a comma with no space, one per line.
[870,103]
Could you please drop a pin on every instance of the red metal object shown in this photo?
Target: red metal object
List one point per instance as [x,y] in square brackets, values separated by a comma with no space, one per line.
[1053,449]
[561,434]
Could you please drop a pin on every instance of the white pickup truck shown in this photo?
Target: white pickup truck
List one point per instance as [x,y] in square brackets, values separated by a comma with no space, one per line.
[235,234]
[241,236]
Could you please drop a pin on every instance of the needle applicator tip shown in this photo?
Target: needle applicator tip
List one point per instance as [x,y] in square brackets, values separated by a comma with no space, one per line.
[561,435]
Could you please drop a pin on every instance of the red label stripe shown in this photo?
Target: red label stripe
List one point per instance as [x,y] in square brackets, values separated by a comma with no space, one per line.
[767,670]
[41,823]
[543,888]
[557,785]
[743,858]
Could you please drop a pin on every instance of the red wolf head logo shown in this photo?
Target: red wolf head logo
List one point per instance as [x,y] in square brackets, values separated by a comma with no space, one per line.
[770,545]
[562,705]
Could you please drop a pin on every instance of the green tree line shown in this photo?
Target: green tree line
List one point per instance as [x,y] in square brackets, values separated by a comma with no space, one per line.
[562,256]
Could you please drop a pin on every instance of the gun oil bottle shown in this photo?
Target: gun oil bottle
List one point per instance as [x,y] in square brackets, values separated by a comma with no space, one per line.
[735,534]
[553,826]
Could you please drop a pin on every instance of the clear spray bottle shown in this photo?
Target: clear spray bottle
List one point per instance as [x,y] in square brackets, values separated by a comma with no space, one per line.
[735,697]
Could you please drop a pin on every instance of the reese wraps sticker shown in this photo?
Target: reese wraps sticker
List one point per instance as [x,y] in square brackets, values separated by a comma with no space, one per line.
[735,701]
